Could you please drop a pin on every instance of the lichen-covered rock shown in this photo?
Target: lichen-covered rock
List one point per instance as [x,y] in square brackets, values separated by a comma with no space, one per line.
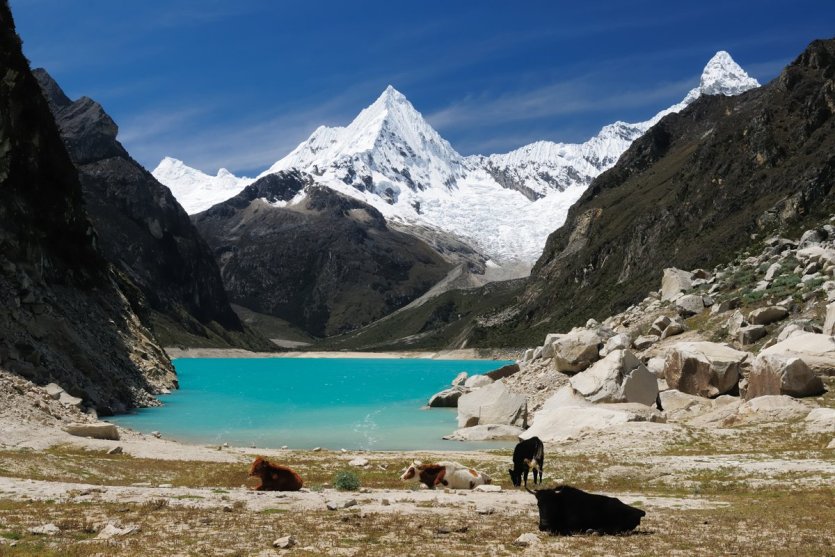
[766,315]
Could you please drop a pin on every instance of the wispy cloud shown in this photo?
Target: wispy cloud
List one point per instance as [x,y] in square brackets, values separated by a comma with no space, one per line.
[241,146]
[578,96]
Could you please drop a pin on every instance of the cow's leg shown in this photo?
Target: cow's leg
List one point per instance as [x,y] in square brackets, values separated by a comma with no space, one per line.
[440,477]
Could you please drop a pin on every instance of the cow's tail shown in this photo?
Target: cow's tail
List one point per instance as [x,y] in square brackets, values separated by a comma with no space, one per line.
[529,491]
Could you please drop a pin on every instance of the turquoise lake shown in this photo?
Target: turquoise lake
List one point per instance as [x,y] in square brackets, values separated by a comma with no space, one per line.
[370,404]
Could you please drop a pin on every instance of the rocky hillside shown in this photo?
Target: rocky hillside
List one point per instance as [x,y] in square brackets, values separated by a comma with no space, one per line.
[698,187]
[63,317]
[144,231]
[321,260]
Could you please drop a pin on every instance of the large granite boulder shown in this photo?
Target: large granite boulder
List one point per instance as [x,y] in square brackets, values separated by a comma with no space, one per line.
[674,282]
[766,315]
[477,381]
[690,304]
[502,372]
[703,368]
[576,350]
[567,414]
[492,404]
[619,377]
[816,350]
[829,322]
[781,374]
[821,420]
[448,398]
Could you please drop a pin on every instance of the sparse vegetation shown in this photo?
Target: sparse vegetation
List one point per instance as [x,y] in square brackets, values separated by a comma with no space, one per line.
[346,480]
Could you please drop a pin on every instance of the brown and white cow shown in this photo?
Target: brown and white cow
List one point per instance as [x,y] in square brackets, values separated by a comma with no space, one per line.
[446,473]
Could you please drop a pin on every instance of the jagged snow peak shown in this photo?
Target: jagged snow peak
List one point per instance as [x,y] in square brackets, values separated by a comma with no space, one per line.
[505,205]
[196,191]
[387,148]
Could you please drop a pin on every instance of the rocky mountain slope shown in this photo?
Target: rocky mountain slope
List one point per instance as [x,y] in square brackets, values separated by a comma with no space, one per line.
[144,231]
[312,256]
[63,316]
[697,187]
[503,206]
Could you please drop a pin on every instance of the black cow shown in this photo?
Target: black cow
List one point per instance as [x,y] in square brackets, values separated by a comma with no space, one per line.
[528,454]
[566,510]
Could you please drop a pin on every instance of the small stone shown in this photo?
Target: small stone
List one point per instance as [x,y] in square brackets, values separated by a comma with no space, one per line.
[485,510]
[526,539]
[332,505]
[385,502]
[317,449]
[115,450]
[111,530]
[488,488]
[156,434]
[285,542]
[54,391]
[227,509]
[45,530]
[349,503]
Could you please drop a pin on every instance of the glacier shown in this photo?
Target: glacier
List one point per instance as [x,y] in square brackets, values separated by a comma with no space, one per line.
[504,205]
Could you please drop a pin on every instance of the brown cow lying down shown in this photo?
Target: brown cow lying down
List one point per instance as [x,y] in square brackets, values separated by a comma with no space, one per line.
[274,477]
[566,510]
[448,474]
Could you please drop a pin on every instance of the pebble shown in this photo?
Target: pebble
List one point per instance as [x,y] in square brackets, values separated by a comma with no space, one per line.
[359,462]
[115,450]
[45,530]
[285,542]
[526,539]
[484,510]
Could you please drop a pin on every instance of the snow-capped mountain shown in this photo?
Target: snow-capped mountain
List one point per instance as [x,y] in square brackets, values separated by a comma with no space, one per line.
[196,191]
[387,147]
[504,205]
[542,167]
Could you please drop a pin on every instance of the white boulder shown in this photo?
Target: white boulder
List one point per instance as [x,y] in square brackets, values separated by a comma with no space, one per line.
[477,381]
[821,420]
[817,350]
[619,377]
[488,432]
[576,350]
[829,322]
[674,282]
[492,404]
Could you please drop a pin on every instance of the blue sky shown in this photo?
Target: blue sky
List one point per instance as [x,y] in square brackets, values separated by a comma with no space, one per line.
[239,84]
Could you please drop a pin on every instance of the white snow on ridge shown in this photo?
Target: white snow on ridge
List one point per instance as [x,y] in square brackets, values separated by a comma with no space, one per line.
[505,205]
[196,191]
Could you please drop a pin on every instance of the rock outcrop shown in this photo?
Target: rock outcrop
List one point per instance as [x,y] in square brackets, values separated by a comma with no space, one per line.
[66,315]
[145,233]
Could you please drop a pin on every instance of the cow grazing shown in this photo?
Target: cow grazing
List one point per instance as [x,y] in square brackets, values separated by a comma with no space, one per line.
[566,510]
[449,474]
[274,477]
[528,455]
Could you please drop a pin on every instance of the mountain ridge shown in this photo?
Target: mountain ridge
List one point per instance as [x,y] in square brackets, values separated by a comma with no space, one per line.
[503,205]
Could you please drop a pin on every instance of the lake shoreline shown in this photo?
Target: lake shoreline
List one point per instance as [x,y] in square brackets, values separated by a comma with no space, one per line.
[459,354]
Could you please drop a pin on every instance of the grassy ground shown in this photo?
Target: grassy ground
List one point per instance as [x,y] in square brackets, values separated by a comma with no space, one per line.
[748,517]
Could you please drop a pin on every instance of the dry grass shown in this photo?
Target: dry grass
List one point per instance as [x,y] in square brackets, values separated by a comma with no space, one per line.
[762,523]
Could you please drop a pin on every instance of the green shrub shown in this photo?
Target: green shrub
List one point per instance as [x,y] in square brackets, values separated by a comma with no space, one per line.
[346,480]
[751,296]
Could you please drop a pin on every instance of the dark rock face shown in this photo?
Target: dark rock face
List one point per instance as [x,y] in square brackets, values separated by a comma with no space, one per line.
[689,193]
[63,316]
[327,264]
[142,229]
